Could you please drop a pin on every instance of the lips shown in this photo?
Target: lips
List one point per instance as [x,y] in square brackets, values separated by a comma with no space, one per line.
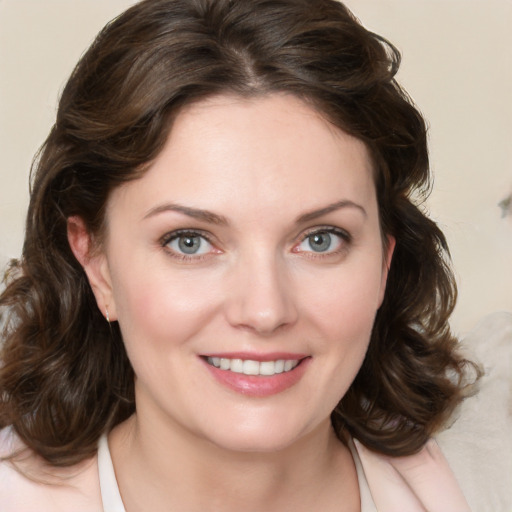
[257,375]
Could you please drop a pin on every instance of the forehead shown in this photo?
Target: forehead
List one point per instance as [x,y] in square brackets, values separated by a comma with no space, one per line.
[273,152]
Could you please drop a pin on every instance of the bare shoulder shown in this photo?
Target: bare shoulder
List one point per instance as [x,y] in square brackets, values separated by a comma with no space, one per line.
[30,486]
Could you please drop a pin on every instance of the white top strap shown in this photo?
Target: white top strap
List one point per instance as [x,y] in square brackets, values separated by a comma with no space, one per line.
[110,496]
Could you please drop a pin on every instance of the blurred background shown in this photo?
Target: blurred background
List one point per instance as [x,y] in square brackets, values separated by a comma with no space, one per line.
[457,66]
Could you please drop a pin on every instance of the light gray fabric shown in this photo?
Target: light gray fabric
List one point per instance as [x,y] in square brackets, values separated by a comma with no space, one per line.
[478,445]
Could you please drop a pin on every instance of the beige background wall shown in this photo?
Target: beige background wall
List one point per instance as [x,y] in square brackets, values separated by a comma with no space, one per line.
[457,65]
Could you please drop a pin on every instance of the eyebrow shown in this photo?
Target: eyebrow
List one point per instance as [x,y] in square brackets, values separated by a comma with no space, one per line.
[213,218]
[314,214]
[195,213]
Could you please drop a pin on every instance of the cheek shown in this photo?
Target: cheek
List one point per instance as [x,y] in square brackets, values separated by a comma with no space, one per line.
[161,311]
[349,299]
[342,315]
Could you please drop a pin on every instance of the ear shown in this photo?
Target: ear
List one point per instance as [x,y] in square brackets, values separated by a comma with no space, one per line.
[94,263]
[389,248]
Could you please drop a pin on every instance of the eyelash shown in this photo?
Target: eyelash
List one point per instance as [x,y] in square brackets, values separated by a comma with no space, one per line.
[175,235]
[345,240]
[345,237]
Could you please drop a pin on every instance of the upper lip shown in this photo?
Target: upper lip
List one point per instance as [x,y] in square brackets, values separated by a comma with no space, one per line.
[257,356]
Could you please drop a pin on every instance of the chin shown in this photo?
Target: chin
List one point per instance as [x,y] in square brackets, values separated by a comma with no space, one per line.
[263,437]
[256,444]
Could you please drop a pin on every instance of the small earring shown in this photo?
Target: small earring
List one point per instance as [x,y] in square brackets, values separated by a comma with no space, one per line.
[107,316]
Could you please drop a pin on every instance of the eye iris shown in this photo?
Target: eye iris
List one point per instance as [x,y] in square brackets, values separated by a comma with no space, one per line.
[189,244]
[320,242]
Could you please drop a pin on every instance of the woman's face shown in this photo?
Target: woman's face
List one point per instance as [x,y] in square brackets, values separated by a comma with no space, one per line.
[245,269]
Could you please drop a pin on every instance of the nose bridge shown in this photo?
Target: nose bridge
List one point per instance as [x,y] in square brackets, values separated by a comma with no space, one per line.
[260,295]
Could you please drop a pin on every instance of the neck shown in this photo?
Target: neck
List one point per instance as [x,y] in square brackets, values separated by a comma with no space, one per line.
[160,469]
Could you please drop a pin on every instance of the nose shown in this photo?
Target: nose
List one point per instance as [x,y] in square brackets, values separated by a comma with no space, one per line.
[260,296]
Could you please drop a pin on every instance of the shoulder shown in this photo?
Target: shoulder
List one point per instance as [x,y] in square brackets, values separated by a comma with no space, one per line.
[30,486]
[478,445]
[419,482]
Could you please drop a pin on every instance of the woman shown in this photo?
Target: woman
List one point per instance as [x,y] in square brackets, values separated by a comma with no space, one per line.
[226,284]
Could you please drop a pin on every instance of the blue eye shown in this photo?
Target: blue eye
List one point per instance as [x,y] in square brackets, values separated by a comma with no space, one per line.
[323,241]
[188,244]
[320,242]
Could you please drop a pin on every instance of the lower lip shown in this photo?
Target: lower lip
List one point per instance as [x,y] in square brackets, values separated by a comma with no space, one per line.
[258,385]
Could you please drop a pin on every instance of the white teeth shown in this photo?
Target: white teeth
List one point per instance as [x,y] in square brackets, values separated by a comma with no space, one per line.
[267,368]
[237,366]
[279,366]
[250,367]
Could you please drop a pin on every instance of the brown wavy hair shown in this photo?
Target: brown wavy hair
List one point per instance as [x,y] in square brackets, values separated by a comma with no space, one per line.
[65,377]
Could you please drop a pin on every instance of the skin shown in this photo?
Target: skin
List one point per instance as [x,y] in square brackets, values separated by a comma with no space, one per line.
[258,284]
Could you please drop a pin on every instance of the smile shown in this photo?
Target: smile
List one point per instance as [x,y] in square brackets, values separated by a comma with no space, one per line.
[257,375]
[251,367]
